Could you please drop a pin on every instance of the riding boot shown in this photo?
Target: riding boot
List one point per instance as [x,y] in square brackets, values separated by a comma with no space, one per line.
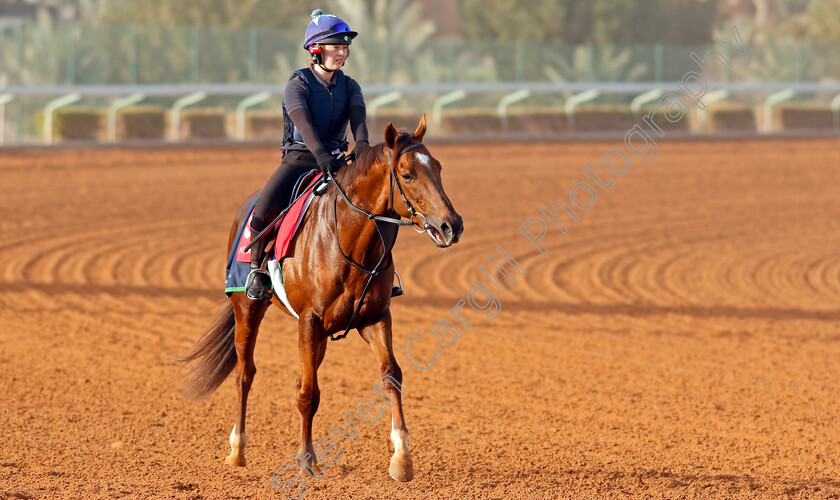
[258,285]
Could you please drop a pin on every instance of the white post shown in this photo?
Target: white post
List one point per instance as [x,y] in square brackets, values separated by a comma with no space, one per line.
[835,110]
[770,103]
[187,100]
[509,99]
[717,95]
[4,99]
[642,99]
[441,102]
[243,105]
[575,100]
[116,106]
[382,100]
[50,110]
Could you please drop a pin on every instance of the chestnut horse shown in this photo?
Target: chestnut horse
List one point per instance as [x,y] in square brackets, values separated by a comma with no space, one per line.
[332,261]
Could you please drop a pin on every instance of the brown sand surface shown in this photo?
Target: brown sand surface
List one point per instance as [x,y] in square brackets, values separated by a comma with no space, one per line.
[681,340]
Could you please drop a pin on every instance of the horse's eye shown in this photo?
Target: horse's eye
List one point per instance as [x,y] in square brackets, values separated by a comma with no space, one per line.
[407,177]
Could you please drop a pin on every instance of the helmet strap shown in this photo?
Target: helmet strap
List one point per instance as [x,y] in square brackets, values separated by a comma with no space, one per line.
[318,58]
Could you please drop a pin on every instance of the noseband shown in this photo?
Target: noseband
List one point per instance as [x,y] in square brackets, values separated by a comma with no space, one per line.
[377,218]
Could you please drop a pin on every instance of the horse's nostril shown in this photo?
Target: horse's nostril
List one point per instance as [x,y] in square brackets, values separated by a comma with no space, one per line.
[447,229]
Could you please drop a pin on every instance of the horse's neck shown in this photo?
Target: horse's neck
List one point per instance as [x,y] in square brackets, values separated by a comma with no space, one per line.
[367,186]
[368,189]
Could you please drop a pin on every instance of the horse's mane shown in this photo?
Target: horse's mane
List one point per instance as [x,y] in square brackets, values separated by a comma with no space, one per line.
[378,152]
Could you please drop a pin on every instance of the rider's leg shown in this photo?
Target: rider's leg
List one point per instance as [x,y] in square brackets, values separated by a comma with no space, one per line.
[258,286]
[274,197]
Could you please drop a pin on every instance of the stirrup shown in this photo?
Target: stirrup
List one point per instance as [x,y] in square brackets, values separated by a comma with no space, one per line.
[265,291]
[396,290]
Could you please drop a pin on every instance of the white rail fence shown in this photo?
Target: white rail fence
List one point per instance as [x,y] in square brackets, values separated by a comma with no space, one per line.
[379,96]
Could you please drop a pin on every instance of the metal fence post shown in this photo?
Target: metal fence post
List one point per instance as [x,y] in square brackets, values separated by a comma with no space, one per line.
[386,77]
[21,53]
[4,99]
[383,100]
[115,107]
[717,95]
[519,61]
[771,103]
[243,106]
[179,105]
[440,102]
[506,101]
[658,62]
[252,54]
[575,100]
[835,111]
[71,55]
[642,99]
[49,112]
[453,55]
[135,53]
[195,52]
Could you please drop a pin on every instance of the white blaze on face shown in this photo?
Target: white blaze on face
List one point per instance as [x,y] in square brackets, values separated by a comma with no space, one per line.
[423,158]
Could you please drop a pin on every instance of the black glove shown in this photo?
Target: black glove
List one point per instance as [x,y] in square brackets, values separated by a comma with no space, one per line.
[326,161]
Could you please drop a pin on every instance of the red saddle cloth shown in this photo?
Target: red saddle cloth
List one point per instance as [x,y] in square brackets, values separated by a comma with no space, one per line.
[288,226]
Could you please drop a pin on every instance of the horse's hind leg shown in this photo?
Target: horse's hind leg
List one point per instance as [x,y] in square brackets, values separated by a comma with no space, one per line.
[249,315]
[378,336]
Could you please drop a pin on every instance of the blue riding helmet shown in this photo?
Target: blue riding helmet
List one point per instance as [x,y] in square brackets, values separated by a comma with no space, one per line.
[327,29]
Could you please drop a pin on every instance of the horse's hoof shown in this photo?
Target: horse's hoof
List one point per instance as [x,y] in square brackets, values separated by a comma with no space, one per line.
[401,470]
[309,465]
[235,460]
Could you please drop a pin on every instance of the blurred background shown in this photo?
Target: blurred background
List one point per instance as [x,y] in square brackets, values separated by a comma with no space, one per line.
[173,70]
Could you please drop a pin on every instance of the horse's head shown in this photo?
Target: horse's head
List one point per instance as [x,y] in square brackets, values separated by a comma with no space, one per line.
[417,177]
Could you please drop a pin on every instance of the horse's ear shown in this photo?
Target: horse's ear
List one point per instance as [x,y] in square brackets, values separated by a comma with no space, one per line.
[421,128]
[390,136]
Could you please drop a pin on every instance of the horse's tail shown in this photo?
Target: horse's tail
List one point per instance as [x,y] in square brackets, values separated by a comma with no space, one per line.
[216,356]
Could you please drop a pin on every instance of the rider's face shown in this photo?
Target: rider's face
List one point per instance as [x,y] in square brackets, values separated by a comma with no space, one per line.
[334,56]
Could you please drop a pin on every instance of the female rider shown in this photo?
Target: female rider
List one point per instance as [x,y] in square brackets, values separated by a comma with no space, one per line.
[318,103]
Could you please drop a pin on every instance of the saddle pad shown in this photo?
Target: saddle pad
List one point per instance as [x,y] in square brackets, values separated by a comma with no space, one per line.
[286,230]
[237,274]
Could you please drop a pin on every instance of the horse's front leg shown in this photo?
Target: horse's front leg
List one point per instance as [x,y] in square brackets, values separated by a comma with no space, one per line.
[378,336]
[312,346]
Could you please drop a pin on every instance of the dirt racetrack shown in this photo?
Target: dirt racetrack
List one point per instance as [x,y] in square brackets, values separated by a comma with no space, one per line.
[681,340]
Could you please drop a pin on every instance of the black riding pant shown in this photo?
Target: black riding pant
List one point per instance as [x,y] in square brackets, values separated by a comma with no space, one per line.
[277,193]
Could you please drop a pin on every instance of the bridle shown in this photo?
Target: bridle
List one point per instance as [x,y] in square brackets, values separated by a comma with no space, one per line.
[378,218]
[395,178]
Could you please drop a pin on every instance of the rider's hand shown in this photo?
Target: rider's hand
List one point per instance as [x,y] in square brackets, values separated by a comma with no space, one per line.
[326,161]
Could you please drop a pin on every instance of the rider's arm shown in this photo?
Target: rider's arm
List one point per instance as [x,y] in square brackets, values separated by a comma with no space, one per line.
[358,114]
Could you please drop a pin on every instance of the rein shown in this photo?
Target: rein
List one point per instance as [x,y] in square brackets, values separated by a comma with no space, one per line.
[377,218]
